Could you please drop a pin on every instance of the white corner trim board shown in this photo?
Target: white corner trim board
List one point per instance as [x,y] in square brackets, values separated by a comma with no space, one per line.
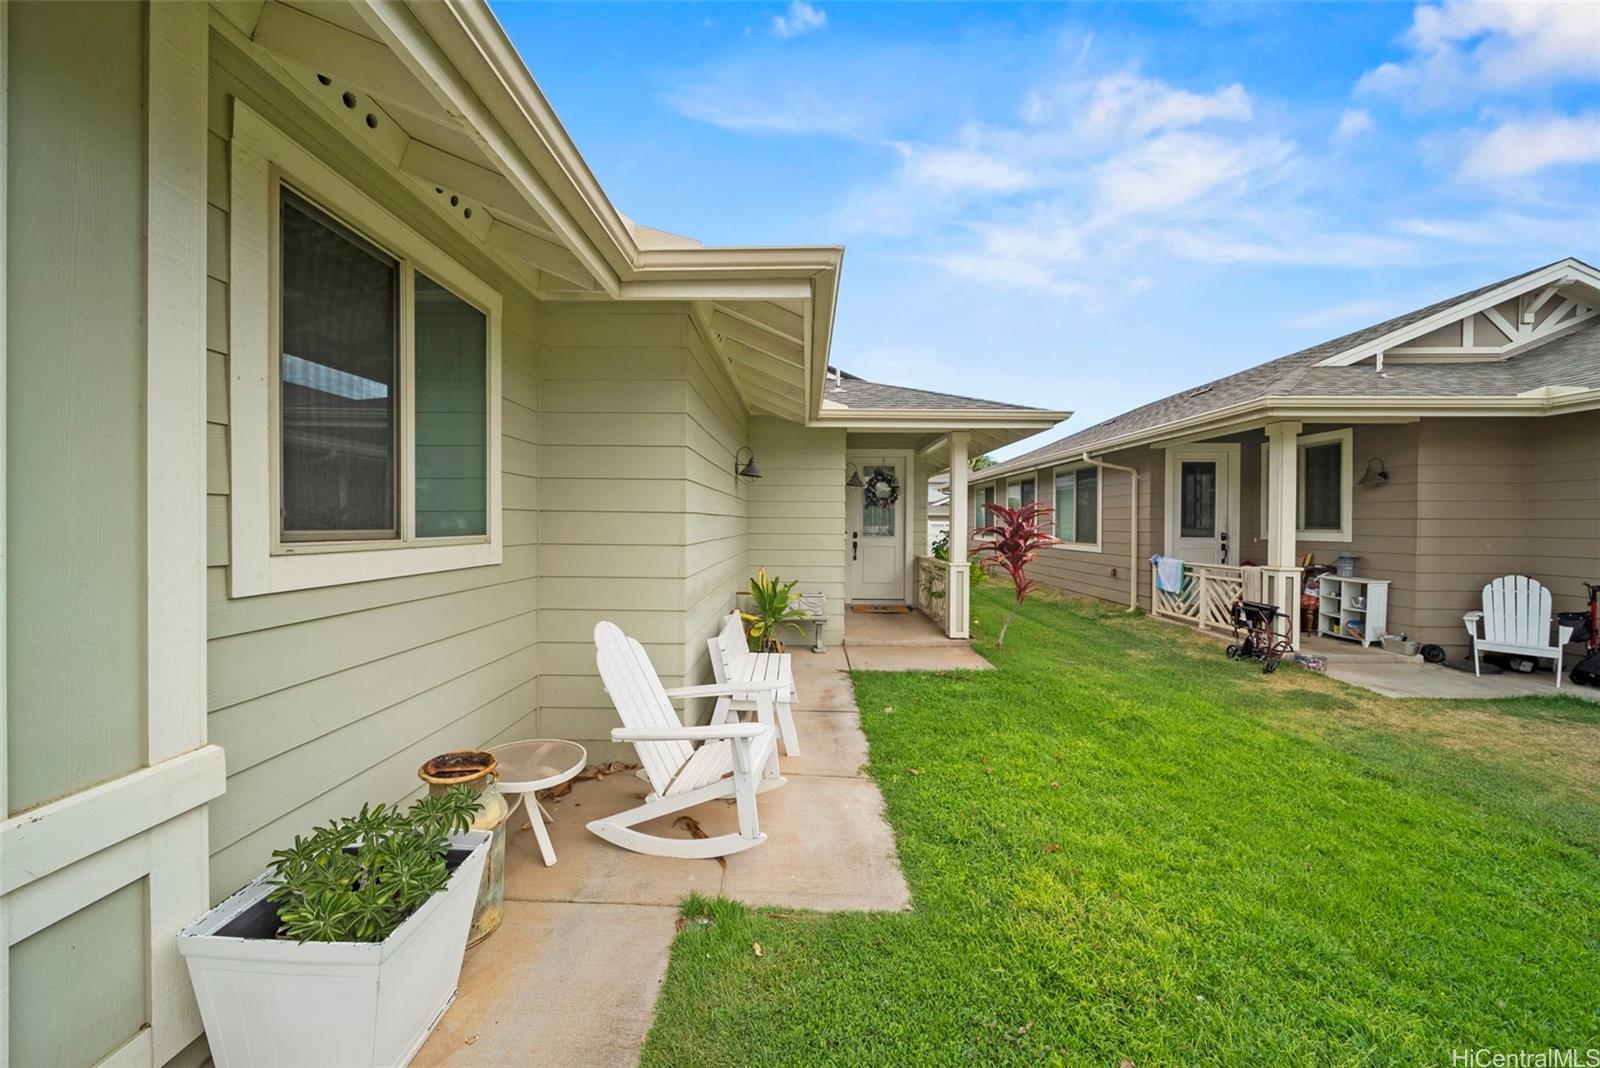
[261,156]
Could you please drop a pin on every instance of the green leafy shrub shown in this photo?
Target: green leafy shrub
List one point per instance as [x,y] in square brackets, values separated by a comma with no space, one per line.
[358,878]
[772,607]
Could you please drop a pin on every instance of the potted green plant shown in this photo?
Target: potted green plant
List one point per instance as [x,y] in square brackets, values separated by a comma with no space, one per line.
[773,606]
[348,948]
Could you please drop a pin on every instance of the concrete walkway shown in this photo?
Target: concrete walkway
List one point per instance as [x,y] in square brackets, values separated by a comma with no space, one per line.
[1431,680]
[571,976]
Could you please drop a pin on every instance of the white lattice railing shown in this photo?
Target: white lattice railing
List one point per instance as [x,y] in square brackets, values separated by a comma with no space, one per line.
[1206,595]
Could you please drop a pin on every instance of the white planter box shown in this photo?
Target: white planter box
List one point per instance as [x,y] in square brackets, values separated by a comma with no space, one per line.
[266,1001]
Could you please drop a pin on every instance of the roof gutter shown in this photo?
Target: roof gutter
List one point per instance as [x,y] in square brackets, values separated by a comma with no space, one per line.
[1330,409]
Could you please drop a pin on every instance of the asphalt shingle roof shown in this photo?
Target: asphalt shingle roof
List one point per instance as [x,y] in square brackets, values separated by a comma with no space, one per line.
[1570,360]
[854,392]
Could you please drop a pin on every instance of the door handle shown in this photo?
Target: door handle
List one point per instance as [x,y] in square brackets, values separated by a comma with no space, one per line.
[854,543]
[1224,547]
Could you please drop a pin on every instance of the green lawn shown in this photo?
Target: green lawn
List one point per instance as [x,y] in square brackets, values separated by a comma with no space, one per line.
[1122,847]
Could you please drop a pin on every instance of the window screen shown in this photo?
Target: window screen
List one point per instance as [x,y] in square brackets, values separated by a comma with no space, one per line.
[1078,506]
[1321,488]
[338,376]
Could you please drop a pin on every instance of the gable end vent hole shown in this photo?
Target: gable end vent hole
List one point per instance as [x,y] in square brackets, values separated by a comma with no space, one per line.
[372,121]
[324,79]
[349,100]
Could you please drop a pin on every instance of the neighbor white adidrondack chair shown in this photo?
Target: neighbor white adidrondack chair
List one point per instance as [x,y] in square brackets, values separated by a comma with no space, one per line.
[734,760]
[1516,618]
[733,662]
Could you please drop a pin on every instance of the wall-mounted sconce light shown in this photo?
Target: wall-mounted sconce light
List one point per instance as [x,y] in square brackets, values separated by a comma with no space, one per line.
[854,481]
[1376,474]
[744,465]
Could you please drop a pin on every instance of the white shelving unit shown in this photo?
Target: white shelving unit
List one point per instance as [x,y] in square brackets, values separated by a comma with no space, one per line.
[1341,600]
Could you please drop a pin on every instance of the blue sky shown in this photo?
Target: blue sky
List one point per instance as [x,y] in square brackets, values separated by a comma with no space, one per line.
[1090,206]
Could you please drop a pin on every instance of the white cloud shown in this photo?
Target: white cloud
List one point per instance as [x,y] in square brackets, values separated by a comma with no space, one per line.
[1522,147]
[962,169]
[1177,169]
[1461,48]
[801,18]
[1128,106]
[1352,124]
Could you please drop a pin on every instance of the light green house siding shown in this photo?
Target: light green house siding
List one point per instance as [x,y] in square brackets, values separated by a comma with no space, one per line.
[326,698]
[797,520]
[75,428]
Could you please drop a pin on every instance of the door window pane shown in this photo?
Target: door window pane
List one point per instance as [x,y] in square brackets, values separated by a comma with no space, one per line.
[1087,524]
[1197,500]
[451,422]
[877,517]
[338,373]
[1321,490]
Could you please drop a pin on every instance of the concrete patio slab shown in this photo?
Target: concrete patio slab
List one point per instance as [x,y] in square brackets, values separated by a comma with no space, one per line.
[831,743]
[893,628]
[1429,680]
[823,681]
[954,656]
[520,989]
[597,872]
[836,852]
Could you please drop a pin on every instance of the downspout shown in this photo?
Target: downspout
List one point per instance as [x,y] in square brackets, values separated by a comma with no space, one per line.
[1133,525]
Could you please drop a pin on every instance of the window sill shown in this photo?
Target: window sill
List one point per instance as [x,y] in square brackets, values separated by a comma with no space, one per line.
[1077,547]
[1323,535]
[312,570]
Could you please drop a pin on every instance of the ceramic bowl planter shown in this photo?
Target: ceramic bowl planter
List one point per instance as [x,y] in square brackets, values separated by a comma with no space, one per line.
[271,1001]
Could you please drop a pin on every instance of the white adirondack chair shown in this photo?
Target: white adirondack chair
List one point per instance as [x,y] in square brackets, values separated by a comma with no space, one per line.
[1517,619]
[733,760]
[733,662]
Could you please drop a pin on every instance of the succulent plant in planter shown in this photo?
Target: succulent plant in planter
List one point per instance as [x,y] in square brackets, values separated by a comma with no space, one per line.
[348,948]
[358,878]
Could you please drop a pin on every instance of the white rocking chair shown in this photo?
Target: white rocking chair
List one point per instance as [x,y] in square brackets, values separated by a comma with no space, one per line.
[1516,619]
[734,760]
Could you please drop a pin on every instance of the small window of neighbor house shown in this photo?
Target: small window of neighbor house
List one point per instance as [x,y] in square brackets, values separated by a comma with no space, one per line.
[1077,507]
[1323,486]
[1021,493]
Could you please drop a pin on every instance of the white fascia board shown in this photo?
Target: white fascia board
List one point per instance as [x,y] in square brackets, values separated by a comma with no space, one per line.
[1327,410]
[879,420]
[1558,273]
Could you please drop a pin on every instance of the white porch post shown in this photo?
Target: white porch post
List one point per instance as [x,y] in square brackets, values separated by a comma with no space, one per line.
[1283,516]
[957,611]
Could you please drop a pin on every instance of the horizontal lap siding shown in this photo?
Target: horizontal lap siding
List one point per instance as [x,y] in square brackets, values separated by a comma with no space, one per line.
[1505,496]
[1104,574]
[325,699]
[797,518]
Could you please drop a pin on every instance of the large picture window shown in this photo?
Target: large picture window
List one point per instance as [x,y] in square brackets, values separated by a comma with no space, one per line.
[1077,507]
[364,384]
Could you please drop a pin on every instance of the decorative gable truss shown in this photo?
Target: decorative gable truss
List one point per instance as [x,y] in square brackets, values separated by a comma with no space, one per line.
[1493,326]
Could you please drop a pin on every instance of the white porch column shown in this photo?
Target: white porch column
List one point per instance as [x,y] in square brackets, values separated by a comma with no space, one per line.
[1283,477]
[1283,516]
[957,611]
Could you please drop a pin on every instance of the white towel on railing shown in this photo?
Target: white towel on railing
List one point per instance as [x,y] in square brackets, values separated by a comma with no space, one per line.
[1169,573]
[1253,588]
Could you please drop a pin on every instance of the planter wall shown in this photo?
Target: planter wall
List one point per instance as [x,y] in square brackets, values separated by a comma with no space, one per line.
[267,1001]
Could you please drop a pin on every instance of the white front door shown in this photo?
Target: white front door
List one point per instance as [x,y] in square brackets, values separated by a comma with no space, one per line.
[1202,503]
[875,527]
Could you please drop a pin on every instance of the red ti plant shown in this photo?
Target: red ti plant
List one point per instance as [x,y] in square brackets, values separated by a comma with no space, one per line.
[1010,543]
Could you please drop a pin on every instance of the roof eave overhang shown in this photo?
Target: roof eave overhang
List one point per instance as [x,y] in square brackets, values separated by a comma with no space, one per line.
[1248,415]
[459,51]
[938,420]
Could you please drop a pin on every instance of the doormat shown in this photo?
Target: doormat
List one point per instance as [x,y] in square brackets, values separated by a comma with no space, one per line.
[880,609]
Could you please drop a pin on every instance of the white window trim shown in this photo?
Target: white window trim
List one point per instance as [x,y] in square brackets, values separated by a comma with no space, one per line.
[1099,509]
[259,563]
[1346,531]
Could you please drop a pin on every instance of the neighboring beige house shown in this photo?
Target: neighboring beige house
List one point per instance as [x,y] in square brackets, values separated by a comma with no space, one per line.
[1445,447]
[340,404]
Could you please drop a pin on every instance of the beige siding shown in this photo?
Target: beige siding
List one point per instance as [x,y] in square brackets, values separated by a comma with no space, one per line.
[75,349]
[327,698]
[797,520]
